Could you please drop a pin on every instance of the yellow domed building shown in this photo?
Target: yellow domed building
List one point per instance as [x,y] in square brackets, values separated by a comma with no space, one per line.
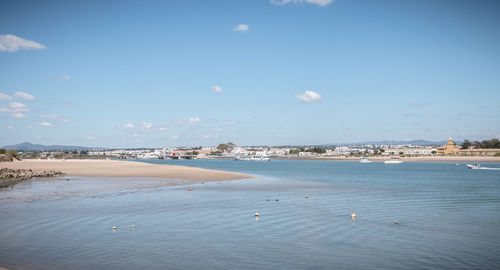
[449,148]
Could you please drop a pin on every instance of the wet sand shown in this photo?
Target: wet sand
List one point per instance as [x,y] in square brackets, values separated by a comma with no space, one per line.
[115,168]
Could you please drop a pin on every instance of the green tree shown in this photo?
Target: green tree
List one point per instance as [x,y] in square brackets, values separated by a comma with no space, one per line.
[2,151]
[223,147]
[11,154]
[466,144]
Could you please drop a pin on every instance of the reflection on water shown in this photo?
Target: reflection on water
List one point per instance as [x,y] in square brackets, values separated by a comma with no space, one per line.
[448,218]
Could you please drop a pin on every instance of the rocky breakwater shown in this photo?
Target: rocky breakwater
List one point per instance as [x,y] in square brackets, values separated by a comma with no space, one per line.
[10,177]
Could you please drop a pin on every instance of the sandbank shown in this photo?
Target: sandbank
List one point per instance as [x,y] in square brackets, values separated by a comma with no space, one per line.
[118,168]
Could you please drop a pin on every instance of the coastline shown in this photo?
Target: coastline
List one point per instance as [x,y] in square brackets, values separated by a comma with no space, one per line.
[115,168]
[462,159]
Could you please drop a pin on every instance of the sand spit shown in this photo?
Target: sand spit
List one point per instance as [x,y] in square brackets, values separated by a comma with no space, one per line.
[115,168]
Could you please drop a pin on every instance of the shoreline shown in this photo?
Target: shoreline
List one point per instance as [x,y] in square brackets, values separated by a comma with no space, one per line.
[121,169]
[462,159]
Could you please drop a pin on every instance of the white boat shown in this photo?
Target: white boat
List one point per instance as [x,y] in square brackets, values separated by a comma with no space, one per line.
[365,160]
[393,160]
[474,166]
[254,158]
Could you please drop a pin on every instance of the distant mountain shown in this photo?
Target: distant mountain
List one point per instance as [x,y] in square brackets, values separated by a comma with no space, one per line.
[39,147]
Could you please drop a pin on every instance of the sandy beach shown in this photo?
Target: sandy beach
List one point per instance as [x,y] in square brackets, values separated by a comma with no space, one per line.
[114,168]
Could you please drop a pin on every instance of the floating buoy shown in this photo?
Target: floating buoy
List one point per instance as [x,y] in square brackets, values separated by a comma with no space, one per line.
[256,214]
[202,182]
[114,228]
[353,215]
[307,196]
[396,222]
[133,227]
[277,200]
[189,189]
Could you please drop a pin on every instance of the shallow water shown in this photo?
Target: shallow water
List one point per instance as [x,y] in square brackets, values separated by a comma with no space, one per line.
[448,218]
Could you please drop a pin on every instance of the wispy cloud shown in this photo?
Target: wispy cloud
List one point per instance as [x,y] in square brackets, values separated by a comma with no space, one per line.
[5,97]
[49,116]
[229,123]
[217,89]
[18,115]
[11,43]
[147,125]
[309,96]
[46,124]
[206,136]
[14,107]
[316,2]
[24,96]
[194,120]
[66,77]
[241,27]
[129,125]
[91,138]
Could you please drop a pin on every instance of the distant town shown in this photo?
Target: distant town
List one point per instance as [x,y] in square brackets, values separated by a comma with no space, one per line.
[231,150]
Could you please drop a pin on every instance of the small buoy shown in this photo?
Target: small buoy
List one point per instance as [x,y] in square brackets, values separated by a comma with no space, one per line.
[277,200]
[396,222]
[114,228]
[353,215]
[256,214]
[202,182]
[267,200]
[189,189]
[67,179]
[307,196]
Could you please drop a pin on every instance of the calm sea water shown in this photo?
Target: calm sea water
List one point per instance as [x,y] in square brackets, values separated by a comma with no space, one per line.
[449,218]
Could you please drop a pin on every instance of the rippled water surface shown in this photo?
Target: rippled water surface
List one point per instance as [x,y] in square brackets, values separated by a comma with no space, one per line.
[449,217]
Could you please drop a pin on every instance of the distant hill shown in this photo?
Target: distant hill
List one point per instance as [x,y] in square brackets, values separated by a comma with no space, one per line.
[39,147]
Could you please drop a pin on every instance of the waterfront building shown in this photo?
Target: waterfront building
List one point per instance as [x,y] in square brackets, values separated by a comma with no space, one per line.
[449,148]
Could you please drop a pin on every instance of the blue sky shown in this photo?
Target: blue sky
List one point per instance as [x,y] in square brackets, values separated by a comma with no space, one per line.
[182,72]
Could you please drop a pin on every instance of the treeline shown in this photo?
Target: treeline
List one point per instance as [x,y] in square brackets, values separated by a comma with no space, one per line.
[486,144]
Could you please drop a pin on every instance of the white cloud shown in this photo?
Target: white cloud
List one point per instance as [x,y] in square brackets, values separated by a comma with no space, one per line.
[135,135]
[11,43]
[241,27]
[206,136]
[5,97]
[217,129]
[194,120]
[229,123]
[23,95]
[14,107]
[147,125]
[316,2]
[217,89]
[91,138]
[49,116]
[10,127]
[309,96]
[175,137]
[162,128]
[66,77]
[129,125]
[38,138]
[46,124]
[18,115]
[65,120]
